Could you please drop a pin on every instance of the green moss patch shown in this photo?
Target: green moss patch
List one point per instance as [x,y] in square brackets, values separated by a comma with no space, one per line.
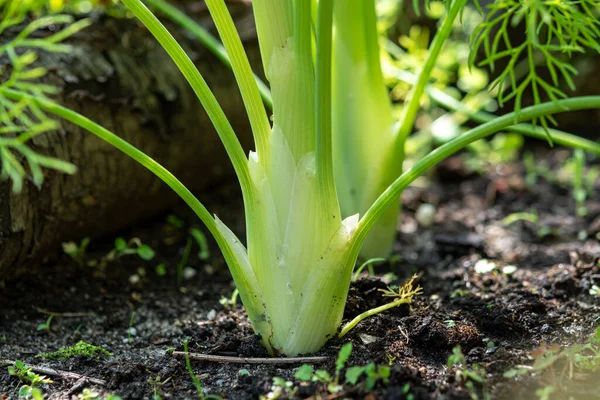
[81,348]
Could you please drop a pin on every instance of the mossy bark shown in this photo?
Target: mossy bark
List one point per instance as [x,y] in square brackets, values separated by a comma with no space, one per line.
[120,77]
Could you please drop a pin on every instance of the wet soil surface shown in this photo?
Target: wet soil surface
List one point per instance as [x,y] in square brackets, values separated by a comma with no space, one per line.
[497,315]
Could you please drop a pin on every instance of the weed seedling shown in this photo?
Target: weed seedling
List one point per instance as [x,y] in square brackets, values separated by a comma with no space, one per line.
[133,246]
[200,238]
[473,379]
[130,329]
[306,373]
[89,394]
[373,373]
[195,377]
[558,367]
[155,384]
[545,392]
[280,387]
[391,359]
[26,374]
[76,251]
[230,302]
[46,325]
[450,323]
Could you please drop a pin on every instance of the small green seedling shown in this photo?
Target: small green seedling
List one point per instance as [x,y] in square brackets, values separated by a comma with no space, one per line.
[584,357]
[306,373]
[161,269]
[130,329]
[391,359]
[156,383]
[595,290]
[473,379]
[280,388]
[200,238]
[26,374]
[80,349]
[175,221]
[28,392]
[195,377]
[89,394]
[133,246]
[46,325]
[230,302]
[450,323]
[373,373]
[545,392]
[76,251]
[521,216]
[460,293]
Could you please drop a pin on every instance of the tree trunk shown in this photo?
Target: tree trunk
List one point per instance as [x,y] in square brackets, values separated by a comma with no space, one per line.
[120,77]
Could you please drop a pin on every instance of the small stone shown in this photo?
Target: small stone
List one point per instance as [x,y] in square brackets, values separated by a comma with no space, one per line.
[426,215]
[211,314]
[367,339]
[134,279]
[188,273]
[131,331]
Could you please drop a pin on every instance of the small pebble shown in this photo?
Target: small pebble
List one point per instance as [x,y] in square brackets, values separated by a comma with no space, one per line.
[134,279]
[211,314]
[426,215]
[188,273]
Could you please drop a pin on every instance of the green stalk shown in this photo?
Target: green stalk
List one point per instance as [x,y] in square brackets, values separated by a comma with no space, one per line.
[208,40]
[324,151]
[410,111]
[198,84]
[245,280]
[369,313]
[273,27]
[261,128]
[459,143]
[445,100]
[364,157]
[559,137]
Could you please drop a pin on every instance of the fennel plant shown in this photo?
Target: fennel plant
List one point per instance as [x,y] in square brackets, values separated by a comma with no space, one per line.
[294,272]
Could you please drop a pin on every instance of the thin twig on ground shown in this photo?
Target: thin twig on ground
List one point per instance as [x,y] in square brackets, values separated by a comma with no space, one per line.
[66,314]
[244,360]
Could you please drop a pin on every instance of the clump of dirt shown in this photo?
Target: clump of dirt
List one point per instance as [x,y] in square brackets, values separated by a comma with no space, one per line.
[535,289]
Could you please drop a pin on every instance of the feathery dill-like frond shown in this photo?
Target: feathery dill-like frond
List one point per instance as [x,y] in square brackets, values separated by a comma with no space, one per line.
[555,30]
[21,121]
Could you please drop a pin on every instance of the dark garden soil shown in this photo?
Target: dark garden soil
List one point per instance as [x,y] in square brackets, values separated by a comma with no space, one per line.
[497,318]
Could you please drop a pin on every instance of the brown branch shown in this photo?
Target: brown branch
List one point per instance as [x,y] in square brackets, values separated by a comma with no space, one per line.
[244,360]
